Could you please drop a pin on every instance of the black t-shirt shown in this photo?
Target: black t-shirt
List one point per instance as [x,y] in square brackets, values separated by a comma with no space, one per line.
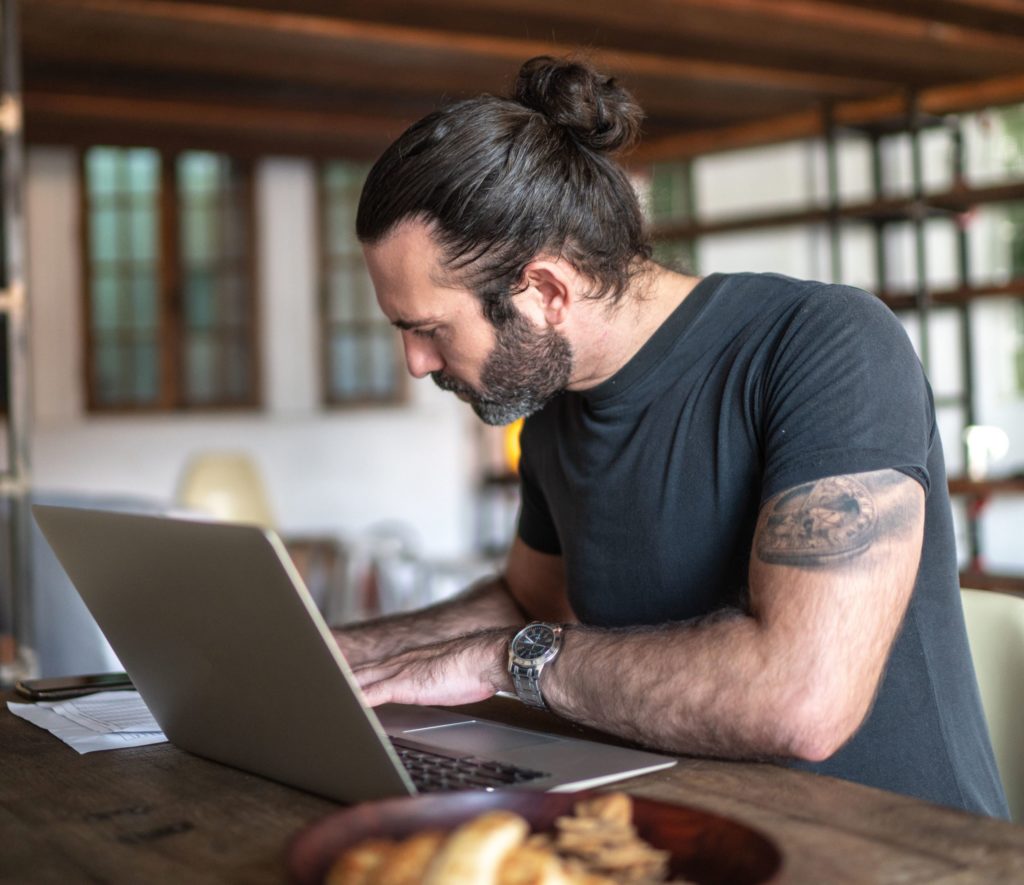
[649,486]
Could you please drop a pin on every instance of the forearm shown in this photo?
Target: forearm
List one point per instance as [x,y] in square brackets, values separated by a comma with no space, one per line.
[483,606]
[711,687]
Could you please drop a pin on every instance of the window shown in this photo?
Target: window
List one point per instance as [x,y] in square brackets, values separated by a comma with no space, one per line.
[170,302]
[361,354]
[670,200]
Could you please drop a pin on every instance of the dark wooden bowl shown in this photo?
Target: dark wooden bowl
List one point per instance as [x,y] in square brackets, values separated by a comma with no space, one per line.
[705,847]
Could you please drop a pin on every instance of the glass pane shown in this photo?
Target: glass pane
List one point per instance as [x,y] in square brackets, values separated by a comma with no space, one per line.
[337,175]
[366,299]
[108,368]
[103,235]
[143,231]
[200,368]
[233,301]
[144,301]
[200,305]
[341,228]
[344,365]
[234,232]
[236,369]
[669,191]
[143,170]
[342,300]
[101,169]
[382,378]
[1015,219]
[105,302]
[198,171]
[199,224]
[146,380]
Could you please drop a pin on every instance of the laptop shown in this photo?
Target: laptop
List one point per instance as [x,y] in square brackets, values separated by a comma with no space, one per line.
[217,631]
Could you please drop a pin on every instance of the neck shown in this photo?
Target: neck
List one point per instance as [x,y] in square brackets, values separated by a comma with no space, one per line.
[613,336]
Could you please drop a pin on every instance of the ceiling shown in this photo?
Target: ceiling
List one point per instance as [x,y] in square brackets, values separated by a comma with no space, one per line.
[345,78]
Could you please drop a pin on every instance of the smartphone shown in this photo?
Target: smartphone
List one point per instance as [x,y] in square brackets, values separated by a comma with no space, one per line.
[59,687]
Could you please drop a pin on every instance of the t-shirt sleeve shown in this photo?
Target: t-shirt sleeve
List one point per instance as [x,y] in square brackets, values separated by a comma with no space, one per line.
[536,526]
[844,393]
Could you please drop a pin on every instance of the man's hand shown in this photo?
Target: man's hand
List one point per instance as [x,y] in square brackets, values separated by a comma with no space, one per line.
[450,672]
[485,605]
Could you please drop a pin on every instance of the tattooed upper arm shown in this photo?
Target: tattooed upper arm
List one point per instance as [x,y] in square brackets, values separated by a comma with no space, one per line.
[836,519]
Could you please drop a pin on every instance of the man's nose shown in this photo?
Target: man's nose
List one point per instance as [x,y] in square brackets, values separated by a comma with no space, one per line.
[421,356]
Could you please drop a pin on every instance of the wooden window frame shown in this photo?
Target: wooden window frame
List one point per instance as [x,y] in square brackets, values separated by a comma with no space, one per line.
[400,394]
[170,307]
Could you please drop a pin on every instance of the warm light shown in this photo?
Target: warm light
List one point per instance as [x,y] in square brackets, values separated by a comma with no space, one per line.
[985,444]
[512,450]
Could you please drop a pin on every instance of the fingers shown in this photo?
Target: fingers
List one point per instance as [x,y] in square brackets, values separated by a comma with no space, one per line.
[449,673]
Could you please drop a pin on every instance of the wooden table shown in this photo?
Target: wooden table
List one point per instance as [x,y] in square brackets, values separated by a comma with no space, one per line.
[157,814]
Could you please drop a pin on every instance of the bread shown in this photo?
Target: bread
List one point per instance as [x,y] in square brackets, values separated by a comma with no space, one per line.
[357,865]
[407,862]
[475,851]
[533,864]
[597,845]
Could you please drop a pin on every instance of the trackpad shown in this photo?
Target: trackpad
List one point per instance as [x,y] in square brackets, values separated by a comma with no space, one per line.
[479,738]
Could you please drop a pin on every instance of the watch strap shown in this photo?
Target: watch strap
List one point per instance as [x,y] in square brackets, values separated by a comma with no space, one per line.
[527,684]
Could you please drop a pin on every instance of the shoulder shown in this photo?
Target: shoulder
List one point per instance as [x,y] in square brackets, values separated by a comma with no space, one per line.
[788,314]
[832,312]
[812,294]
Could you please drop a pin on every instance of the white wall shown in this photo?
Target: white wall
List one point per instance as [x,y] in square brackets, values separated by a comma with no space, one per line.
[333,472]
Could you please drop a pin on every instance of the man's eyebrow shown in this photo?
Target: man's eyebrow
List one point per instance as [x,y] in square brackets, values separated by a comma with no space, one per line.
[414,324]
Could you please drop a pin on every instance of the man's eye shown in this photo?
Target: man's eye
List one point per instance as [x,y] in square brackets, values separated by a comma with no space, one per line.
[425,333]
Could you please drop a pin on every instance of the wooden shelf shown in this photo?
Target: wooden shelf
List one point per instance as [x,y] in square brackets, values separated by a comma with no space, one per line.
[953,297]
[961,485]
[947,203]
[499,480]
[976,580]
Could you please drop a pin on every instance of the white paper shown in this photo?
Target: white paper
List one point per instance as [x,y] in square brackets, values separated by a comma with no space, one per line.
[108,720]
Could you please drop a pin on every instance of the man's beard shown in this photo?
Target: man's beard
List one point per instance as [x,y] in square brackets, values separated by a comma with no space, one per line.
[521,375]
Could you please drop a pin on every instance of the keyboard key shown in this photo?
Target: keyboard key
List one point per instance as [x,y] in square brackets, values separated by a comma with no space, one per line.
[432,772]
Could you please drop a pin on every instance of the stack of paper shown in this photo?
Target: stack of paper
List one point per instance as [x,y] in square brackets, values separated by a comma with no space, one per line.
[108,720]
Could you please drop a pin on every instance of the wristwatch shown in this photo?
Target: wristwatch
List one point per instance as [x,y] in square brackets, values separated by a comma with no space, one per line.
[531,649]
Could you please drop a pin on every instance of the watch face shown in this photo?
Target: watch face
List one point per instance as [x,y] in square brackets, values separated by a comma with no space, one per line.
[533,642]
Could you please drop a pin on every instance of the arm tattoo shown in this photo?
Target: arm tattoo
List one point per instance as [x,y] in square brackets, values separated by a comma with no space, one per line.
[818,523]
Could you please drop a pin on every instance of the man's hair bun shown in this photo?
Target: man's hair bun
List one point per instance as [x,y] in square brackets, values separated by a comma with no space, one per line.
[596,111]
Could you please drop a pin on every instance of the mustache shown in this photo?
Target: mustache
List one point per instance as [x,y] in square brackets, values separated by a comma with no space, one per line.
[446,382]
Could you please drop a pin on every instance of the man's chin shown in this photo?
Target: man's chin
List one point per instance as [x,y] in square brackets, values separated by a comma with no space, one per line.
[500,413]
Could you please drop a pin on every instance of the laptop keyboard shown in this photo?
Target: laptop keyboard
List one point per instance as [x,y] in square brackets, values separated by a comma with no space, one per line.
[433,772]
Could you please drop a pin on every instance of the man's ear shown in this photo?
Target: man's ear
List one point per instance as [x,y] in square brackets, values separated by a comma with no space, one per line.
[550,290]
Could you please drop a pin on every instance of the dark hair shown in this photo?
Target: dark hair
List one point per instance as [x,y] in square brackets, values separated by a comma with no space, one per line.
[502,181]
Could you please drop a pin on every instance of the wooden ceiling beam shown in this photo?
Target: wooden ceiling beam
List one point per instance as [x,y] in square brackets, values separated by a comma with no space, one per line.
[666,108]
[938,100]
[706,31]
[75,109]
[135,82]
[426,42]
[885,22]
[1005,17]
[848,19]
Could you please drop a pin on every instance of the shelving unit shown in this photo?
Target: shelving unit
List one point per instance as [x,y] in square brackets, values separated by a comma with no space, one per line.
[16,656]
[880,212]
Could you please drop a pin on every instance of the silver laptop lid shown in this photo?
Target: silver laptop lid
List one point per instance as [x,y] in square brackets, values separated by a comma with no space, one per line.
[216,629]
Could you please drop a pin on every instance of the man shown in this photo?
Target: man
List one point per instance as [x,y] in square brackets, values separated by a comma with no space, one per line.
[734,522]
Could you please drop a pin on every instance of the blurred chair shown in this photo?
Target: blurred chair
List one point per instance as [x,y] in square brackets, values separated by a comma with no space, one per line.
[995,629]
[225,485]
[229,486]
